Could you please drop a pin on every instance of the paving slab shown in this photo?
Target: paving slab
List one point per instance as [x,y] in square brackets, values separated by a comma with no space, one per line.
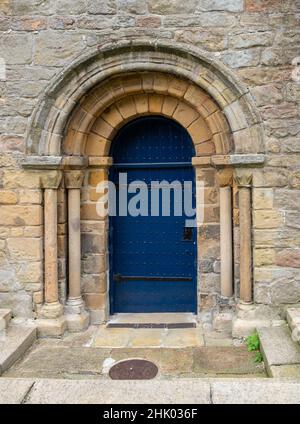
[57,362]
[277,346]
[153,318]
[225,360]
[14,391]
[120,392]
[284,371]
[16,342]
[252,391]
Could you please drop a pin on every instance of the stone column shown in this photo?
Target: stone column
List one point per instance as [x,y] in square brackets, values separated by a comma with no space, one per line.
[244,181]
[76,315]
[51,322]
[224,178]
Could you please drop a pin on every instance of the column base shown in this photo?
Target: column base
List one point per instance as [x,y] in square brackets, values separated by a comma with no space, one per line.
[51,310]
[74,305]
[77,322]
[48,327]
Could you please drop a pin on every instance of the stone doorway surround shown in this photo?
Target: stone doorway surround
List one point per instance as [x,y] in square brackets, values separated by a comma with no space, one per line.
[68,145]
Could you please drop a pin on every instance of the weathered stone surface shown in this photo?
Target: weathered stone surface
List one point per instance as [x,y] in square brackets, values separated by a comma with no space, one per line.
[164,7]
[47,53]
[16,49]
[8,197]
[224,5]
[246,40]
[251,391]
[287,199]
[20,215]
[288,257]
[285,371]
[14,391]
[242,58]
[25,249]
[105,7]
[132,6]
[71,7]
[20,302]
[93,243]
[277,346]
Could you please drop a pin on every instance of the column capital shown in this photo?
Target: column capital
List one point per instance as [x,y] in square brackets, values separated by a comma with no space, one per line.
[224,177]
[74,178]
[51,179]
[243,177]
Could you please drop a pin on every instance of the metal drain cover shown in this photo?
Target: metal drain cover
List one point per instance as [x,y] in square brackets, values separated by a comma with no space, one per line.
[133,369]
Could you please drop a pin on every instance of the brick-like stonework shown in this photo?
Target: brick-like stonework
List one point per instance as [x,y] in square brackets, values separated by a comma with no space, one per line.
[77,70]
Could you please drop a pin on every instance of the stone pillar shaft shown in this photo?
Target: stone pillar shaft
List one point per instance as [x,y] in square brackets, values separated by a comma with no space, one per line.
[226,241]
[244,182]
[74,243]
[50,245]
[77,317]
[245,245]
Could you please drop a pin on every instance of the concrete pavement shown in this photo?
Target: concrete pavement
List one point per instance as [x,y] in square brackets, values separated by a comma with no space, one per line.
[193,391]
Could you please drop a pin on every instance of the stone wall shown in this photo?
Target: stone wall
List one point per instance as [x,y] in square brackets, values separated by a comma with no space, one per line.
[258,40]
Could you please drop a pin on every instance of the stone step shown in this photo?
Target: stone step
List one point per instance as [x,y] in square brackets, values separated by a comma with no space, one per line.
[293,319]
[5,317]
[14,343]
[281,354]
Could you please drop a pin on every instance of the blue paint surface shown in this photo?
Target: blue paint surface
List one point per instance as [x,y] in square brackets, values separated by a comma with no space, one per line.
[149,248]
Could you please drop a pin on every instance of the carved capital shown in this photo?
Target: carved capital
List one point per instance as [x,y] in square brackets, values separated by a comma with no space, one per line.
[74,179]
[51,179]
[243,178]
[224,177]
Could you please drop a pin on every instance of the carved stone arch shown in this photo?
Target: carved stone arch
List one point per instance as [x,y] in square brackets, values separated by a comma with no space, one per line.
[47,126]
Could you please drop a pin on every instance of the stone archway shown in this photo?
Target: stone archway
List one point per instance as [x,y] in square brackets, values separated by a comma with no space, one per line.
[71,132]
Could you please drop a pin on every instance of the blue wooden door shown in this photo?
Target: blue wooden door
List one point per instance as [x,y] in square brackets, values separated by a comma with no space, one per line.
[152,257]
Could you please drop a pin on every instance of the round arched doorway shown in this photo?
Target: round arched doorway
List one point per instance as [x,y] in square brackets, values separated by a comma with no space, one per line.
[152,227]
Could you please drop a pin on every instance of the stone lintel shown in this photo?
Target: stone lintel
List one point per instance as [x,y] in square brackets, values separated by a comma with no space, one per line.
[42,162]
[100,161]
[74,162]
[55,162]
[238,160]
[74,178]
[202,161]
[229,160]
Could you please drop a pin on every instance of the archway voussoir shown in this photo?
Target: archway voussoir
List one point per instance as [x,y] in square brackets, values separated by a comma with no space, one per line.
[206,148]
[155,103]
[147,82]
[178,87]
[185,114]
[169,105]
[102,128]
[96,145]
[141,103]
[199,131]
[161,83]
[126,107]
[112,116]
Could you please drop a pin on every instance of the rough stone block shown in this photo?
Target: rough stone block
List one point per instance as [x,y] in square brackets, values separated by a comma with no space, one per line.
[25,249]
[8,197]
[268,219]
[105,7]
[277,347]
[16,49]
[47,53]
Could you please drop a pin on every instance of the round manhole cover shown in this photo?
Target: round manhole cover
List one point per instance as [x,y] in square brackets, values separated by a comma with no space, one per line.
[133,369]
